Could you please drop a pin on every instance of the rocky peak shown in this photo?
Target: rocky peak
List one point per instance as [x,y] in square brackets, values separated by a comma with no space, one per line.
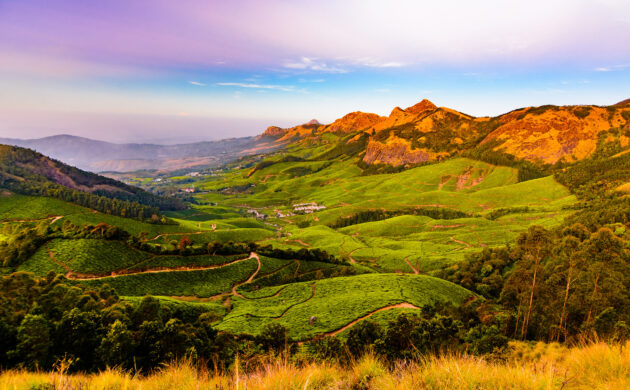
[274,131]
[424,105]
[313,122]
[396,112]
[355,121]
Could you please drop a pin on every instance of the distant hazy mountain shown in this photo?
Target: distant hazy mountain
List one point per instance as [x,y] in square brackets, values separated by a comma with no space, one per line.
[99,156]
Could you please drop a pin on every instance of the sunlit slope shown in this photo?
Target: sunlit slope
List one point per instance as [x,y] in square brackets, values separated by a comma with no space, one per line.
[326,306]
[494,208]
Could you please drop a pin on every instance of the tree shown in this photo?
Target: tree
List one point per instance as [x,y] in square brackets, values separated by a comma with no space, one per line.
[535,245]
[34,341]
[607,270]
[117,346]
[274,336]
[362,336]
[78,333]
[184,242]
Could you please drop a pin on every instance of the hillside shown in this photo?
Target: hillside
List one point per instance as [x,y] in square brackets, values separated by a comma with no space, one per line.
[425,132]
[28,172]
[401,235]
[99,156]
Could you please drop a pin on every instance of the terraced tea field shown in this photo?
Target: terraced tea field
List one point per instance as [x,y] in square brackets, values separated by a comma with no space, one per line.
[390,231]
[401,243]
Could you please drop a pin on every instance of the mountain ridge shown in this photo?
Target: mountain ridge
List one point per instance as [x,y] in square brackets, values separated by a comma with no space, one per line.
[425,132]
[101,156]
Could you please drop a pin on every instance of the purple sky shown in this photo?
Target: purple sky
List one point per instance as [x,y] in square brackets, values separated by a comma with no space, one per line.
[158,70]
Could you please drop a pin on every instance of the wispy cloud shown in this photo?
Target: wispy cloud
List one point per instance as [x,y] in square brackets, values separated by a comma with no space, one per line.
[311,80]
[197,83]
[314,64]
[612,68]
[285,88]
[376,63]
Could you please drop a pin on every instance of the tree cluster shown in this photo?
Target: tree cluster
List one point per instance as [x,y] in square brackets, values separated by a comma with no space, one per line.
[46,320]
[379,215]
[555,285]
[24,240]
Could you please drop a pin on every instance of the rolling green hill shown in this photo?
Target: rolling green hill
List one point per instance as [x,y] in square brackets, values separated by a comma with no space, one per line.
[323,238]
[28,172]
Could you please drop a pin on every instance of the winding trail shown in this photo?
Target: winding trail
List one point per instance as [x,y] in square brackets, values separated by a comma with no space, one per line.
[402,305]
[62,264]
[79,276]
[53,219]
[295,304]
[249,280]
[461,242]
[178,234]
[415,270]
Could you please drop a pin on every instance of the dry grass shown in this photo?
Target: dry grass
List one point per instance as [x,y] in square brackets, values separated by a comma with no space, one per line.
[540,366]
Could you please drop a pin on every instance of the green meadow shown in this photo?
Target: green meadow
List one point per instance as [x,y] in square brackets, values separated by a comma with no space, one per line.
[396,230]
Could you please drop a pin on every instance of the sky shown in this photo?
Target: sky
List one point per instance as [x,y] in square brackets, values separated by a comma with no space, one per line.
[170,71]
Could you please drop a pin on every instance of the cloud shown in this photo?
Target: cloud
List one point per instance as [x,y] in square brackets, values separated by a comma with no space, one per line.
[311,80]
[313,64]
[612,68]
[376,63]
[197,83]
[285,88]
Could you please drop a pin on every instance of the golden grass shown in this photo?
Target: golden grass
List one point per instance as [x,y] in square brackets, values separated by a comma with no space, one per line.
[539,366]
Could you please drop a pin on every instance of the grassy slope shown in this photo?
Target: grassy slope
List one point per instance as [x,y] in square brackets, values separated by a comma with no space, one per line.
[335,302]
[462,184]
[596,366]
[406,243]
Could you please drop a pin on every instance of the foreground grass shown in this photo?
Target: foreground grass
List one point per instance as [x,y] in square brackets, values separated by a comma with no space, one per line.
[596,366]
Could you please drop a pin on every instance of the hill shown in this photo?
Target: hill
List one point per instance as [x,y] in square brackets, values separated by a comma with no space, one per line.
[425,132]
[28,172]
[99,156]
[407,234]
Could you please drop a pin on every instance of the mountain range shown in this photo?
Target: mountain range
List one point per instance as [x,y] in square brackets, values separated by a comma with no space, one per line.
[100,156]
[424,132]
[421,133]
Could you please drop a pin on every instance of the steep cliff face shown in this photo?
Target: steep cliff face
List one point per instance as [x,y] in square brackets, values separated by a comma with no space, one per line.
[551,133]
[424,132]
[274,131]
[355,121]
[396,151]
[282,135]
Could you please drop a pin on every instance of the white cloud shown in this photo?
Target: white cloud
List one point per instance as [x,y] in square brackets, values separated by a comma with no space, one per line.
[612,68]
[285,88]
[313,64]
[197,83]
[376,63]
[311,80]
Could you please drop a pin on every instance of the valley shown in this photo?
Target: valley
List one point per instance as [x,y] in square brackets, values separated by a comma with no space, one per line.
[318,242]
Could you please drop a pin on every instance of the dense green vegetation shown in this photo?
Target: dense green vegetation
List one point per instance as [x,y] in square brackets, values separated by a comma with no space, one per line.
[27,172]
[311,252]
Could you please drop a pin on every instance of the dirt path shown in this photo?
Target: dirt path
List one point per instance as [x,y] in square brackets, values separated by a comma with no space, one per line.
[79,276]
[461,242]
[177,234]
[295,304]
[433,227]
[300,242]
[353,261]
[52,258]
[57,218]
[415,270]
[403,305]
[251,277]
[53,219]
